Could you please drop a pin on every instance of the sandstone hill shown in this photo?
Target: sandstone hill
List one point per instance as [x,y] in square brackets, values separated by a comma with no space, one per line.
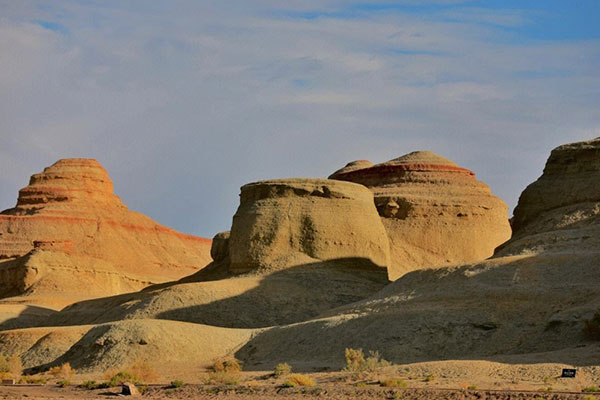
[297,248]
[526,305]
[434,211]
[70,238]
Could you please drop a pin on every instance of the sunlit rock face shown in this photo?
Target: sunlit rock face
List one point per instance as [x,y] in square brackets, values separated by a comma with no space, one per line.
[434,211]
[70,235]
[290,222]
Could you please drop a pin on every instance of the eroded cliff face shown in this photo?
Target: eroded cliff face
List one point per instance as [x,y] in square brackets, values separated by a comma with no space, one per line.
[434,211]
[288,222]
[70,235]
[561,210]
[528,303]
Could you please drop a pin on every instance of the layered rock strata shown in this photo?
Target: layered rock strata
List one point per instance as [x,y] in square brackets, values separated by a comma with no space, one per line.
[70,235]
[283,223]
[434,211]
[527,304]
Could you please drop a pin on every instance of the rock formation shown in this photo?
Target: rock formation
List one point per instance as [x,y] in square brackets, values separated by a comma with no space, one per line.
[527,304]
[561,210]
[283,223]
[69,238]
[297,248]
[434,211]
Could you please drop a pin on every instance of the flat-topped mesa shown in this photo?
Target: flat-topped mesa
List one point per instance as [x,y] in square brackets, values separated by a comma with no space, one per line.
[561,210]
[435,212]
[72,180]
[292,222]
[68,226]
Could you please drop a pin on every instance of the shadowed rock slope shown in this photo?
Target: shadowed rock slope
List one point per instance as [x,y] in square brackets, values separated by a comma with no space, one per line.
[530,301]
[434,211]
[297,248]
[70,238]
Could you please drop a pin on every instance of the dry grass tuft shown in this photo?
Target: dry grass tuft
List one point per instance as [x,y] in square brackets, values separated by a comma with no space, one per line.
[299,380]
[357,362]
[282,370]
[64,371]
[226,365]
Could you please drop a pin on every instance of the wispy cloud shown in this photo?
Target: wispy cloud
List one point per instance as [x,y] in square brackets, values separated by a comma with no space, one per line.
[185,101]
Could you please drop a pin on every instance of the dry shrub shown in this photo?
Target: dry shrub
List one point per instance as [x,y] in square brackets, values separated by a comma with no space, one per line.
[591,327]
[143,371]
[299,380]
[229,365]
[223,378]
[282,369]
[393,382]
[10,367]
[64,371]
[357,362]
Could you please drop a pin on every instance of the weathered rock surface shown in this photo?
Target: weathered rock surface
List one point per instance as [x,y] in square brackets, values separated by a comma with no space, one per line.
[297,248]
[435,212]
[290,222]
[527,303]
[561,210]
[69,238]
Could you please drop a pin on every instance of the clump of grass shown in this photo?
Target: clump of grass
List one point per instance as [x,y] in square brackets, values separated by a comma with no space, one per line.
[282,369]
[357,362]
[471,387]
[225,371]
[299,380]
[393,382]
[121,377]
[33,380]
[223,378]
[63,371]
[591,327]
[590,389]
[63,383]
[92,385]
[177,384]
[429,378]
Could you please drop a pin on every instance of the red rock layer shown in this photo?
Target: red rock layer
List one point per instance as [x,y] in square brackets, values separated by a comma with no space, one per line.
[70,207]
[435,212]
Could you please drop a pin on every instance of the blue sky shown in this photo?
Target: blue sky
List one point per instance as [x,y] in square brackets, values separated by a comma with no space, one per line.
[185,101]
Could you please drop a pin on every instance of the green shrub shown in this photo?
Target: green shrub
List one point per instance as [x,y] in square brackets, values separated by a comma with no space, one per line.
[122,377]
[177,384]
[282,369]
[590,389]
[33,380]
[471,387]
[223,378]
[89,385]
[63,383]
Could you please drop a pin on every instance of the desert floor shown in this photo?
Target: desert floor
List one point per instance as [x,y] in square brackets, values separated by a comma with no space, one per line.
[321,392]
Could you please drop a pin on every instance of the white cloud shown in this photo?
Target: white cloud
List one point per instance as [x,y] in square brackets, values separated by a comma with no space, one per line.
[184,103]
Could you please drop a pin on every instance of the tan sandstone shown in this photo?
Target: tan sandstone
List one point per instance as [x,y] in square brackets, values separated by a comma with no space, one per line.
[435,212]
[70,237]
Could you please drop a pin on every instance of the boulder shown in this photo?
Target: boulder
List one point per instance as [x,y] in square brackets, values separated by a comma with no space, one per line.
[434,211]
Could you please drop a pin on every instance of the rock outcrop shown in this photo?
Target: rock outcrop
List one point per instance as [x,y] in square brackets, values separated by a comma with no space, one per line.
[70,237]
[561,210]
[434,211]
[297,248]
[290,222]
[527,304]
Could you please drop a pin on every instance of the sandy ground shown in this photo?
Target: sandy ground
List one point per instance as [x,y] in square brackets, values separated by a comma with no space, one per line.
[256,393]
